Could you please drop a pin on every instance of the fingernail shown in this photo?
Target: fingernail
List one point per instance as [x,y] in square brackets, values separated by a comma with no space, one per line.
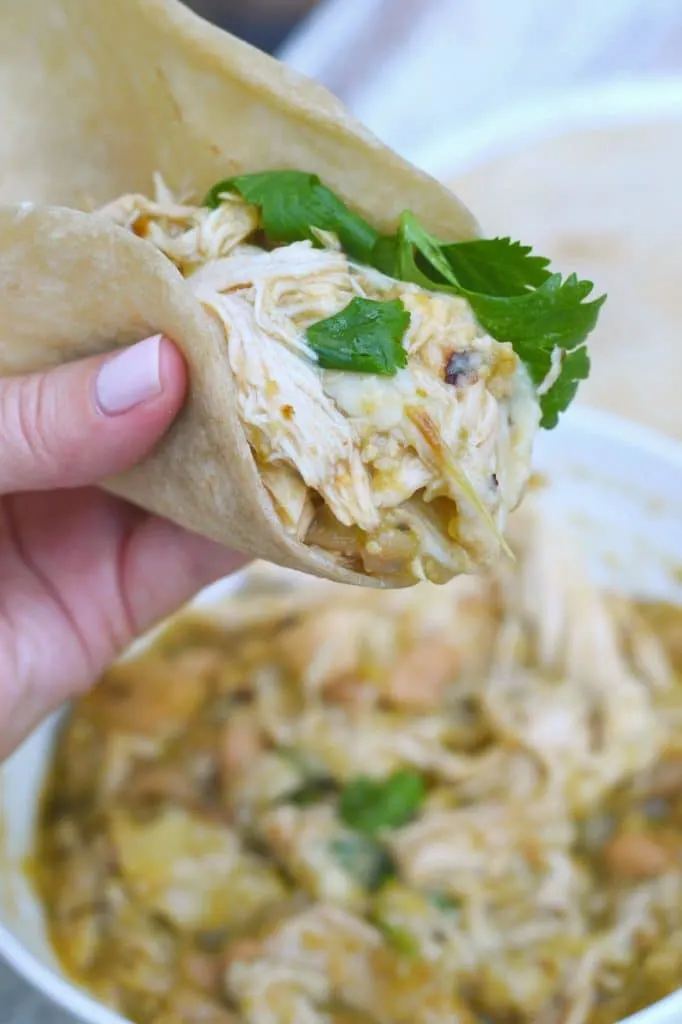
[130,378]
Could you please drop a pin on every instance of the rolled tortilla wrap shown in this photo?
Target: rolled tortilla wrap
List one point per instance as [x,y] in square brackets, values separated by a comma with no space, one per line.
[135,88]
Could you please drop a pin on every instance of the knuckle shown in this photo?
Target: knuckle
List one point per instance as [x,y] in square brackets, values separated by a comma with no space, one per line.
[26,423]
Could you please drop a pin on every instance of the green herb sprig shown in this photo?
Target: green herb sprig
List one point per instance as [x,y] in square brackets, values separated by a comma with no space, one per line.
[373,805]
[365,337]
[513,294]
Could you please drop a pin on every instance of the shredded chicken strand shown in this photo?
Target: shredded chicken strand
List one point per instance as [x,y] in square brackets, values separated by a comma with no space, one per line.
[198,812]
[410,477]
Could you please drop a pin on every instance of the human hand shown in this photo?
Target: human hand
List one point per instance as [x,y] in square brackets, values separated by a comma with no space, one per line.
[83,573]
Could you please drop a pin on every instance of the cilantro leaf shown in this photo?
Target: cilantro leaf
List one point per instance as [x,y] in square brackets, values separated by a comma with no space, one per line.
[364,859]
[292,203]
[554,316]
[414,255]
[418,249]
[514,297]
[365,337]
[513,294]
[575,366]
[370,805]
[496,266]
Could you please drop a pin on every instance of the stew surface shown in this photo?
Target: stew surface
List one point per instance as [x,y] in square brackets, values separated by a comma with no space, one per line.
[456,805]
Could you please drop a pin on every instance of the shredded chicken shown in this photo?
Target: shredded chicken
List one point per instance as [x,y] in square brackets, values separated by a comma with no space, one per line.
[411,476]
[217,855]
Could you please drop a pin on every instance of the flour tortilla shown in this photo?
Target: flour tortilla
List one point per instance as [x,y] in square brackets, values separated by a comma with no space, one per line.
[96,96]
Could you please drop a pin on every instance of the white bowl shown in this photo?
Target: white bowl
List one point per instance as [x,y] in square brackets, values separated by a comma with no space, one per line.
[619,484]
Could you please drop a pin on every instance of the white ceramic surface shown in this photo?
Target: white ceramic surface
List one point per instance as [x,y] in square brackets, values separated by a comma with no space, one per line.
[626,100]
[621,488]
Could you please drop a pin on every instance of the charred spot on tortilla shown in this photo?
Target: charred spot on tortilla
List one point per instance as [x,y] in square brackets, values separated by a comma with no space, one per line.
[389,387]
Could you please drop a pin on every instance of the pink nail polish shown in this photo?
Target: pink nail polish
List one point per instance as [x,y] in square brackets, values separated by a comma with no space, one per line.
[130,378]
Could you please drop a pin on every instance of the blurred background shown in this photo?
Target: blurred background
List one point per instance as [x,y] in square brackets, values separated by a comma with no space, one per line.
[265,23]
[402,65]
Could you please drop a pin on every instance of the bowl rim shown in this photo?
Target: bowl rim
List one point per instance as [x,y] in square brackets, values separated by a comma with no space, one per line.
[62,993]
[69,997]
[628,99]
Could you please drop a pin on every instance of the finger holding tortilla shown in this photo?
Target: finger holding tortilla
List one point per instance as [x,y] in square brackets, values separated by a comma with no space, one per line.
[70,426]
[363,395]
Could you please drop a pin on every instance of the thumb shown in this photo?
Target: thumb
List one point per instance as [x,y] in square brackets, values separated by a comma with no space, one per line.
[84,421]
